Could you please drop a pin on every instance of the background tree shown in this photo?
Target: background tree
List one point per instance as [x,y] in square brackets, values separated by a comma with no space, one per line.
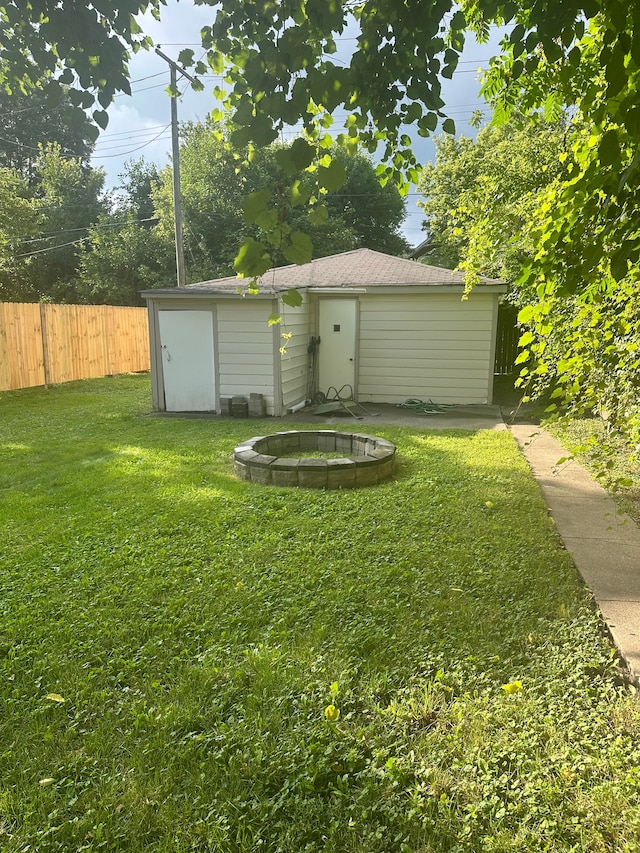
[120,259]
[18,223]
[374,212]
[135,193]
[125,251]
[486,199]
[481,195]
[68,198]
[37,119]
[216,179]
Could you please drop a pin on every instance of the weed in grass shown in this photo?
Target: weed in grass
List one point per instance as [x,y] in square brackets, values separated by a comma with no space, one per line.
[200,630]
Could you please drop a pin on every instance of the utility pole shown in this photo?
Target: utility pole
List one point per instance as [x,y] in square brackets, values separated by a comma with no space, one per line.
[175,149]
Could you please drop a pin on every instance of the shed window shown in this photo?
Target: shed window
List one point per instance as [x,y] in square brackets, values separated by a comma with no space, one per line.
[336,327]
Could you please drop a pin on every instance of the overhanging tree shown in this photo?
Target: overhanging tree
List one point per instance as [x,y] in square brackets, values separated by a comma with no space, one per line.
[62,42]
[281,71]
[279,61]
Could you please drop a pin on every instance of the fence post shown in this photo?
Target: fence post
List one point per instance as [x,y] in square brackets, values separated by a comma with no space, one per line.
[45,344]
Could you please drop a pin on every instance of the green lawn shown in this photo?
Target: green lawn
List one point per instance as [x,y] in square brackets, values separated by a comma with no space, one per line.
[197,628]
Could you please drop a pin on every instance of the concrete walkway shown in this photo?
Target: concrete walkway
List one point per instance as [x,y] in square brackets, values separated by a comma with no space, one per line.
[603,541]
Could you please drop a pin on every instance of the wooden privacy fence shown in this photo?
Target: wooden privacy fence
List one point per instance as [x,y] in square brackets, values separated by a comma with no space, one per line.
[42,344]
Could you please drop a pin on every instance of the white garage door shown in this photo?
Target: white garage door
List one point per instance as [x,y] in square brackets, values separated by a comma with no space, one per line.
[186,339]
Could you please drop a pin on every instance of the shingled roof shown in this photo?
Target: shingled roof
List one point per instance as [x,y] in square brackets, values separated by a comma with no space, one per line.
[358,268]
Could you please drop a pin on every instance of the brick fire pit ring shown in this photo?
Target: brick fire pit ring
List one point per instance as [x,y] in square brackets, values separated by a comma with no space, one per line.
[361,460]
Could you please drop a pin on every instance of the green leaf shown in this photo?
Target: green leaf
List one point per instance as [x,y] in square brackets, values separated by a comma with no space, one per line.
[449,126]
[252,260]
[299,249]
[620,260]
[609,148]
[615,72]
[517,34]
[292,298]
[285,161]
[318,214]
[552,50]
[255,205]
[525,314]
[185,57]
[274,319]
[413,113]
[332,177]
[101,118]
[428,121]
[299,194]
[302,153]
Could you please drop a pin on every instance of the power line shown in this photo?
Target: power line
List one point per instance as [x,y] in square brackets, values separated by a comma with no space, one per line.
[162,85]
[130,133]
[18,144]
[124,142]
[131,150]
[53,248]
[49,235]
[93,156]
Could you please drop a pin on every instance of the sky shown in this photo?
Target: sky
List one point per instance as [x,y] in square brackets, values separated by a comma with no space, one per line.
[139,125]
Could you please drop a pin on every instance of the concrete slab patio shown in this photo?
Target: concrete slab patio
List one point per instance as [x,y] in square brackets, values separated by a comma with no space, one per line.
[603,541]
[453,417]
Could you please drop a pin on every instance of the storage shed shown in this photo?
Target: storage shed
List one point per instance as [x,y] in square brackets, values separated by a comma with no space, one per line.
[388,327]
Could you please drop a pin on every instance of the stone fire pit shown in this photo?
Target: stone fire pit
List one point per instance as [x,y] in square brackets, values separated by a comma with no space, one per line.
[361,460]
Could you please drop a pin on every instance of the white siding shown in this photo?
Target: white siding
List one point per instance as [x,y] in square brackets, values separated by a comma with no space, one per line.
[294,362]
[245,349]
[427,346]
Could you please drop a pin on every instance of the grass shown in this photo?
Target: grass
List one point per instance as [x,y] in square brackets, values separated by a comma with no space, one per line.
[197,627]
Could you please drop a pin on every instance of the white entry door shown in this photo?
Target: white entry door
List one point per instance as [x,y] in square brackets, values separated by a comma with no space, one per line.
[186,339]
[337,353]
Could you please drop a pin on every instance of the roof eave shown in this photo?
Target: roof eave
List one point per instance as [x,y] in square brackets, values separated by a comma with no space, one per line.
[186,292]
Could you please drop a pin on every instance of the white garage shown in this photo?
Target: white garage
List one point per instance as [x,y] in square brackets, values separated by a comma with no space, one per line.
[387,327]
